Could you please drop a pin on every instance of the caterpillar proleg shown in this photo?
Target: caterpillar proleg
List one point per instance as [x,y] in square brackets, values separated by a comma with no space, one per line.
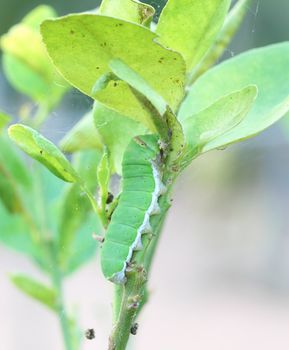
[141,189]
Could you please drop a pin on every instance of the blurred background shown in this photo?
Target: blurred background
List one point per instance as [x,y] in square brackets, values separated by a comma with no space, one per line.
[221,276]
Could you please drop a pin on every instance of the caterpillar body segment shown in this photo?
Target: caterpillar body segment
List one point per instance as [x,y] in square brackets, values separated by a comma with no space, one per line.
[141,189]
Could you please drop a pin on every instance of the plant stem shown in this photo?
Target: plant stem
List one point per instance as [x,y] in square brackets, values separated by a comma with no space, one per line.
[130,298]
[51,253]
[57,279]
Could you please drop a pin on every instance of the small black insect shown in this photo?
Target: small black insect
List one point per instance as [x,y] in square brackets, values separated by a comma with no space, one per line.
[89,333]
[109,198]
[134,329]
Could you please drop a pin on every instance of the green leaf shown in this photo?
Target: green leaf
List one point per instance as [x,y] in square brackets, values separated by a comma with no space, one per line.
[190,27]
[19,214]
[217,119]
[4,120]
[40,13]
[81,47]
[42,150]
[82,136]
[267,69]
[232,24]
[129,10]
[26,63]
[25,44]
[27,81]
[35,290]
[116,131]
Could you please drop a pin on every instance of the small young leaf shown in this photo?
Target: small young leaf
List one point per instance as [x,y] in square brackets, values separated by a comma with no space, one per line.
[267,69]
[35,290]
[116,131]
[129,10]
[81,47]
[212,122]
[44,151]
[82,136]
[190,27]
[125,73]
[4,120]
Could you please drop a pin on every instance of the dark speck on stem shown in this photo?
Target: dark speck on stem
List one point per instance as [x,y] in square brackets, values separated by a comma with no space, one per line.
[134,329]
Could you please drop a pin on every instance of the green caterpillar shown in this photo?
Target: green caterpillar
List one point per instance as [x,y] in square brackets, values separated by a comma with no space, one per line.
[141,188]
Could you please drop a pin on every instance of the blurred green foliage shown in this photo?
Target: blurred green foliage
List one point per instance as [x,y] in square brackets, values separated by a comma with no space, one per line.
[137,89]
